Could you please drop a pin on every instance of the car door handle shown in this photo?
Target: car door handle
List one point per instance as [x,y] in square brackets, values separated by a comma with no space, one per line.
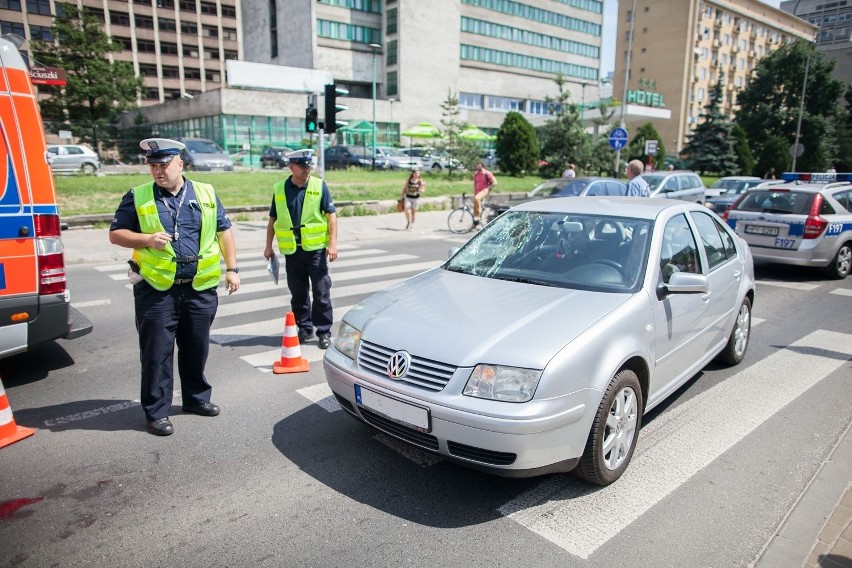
[705,297]
[737,274]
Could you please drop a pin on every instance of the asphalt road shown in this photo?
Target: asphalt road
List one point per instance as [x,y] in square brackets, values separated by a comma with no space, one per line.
[284,478]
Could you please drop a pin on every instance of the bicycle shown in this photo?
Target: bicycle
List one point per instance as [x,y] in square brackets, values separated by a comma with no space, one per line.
[460,219]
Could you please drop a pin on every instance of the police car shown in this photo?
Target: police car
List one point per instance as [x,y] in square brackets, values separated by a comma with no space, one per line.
[805,219]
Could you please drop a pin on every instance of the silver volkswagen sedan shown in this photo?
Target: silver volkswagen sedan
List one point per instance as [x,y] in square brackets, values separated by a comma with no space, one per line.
[540,344]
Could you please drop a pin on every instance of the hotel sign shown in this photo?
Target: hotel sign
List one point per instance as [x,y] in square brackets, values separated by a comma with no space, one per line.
[645,98]
[47,76]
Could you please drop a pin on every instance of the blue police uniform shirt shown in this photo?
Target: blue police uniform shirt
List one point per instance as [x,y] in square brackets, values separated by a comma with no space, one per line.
[188,221]
[295,196]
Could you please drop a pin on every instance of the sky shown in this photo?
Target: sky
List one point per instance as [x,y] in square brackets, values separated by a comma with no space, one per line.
[609,27]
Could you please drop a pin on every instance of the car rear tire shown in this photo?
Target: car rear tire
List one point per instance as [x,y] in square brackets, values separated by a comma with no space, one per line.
[735,350]
[436,168]
[614,432]
[88,168]
[840,266]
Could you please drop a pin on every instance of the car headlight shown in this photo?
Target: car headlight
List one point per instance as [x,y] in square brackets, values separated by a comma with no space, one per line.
[510,384]
[347,339]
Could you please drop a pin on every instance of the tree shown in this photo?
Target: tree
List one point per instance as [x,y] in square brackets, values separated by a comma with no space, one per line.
[98,89]
[745,161]
[517,145]
[711,145]
[464,152]
[770,103]
[636,147]
[774,156]
[843,134]
[562,139]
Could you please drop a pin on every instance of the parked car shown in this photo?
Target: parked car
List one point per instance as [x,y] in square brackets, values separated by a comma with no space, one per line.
[683,185]
[604,311]
[730,195]
[568,187]
[205,155]
[397,160]
[803,220]
[723,184]
[432,159]
[343,156]
[489,159]
[73,158]
[274,156]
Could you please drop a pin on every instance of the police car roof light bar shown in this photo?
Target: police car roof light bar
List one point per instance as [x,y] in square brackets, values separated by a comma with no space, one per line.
[816,177]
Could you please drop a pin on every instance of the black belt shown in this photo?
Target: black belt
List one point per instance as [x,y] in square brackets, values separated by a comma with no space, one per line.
[183,281]
[186,259]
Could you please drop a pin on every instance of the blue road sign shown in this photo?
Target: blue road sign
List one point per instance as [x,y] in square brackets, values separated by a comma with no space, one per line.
[617,138]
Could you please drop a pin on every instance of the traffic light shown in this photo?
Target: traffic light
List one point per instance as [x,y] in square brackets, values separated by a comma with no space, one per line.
[311,120]
[332,108]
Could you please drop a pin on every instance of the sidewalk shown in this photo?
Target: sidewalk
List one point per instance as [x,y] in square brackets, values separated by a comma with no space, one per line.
[816,531]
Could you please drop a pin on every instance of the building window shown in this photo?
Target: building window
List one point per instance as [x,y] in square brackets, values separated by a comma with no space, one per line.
[39,7]
[372,6]
[348,32]
[152,94]
[145,22]
[187,5]
[505,104]
[145,46]
[12,28]
[527,37]
[392,58]
[537,64]
[231,55]
[166,25]
[170,71]
[119,18]
[273,28]
[209,31]
[11,5]
[392,88]
[229,34]
[188,28]
[470,100]
[529,12]
[147,70]
[391,25]
[229,11]
[168,48]
[208,8]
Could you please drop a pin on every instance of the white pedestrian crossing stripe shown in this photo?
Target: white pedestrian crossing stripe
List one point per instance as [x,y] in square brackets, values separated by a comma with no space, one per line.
[677,445]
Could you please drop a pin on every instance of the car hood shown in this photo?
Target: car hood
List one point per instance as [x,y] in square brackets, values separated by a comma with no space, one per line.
[512,202]
[463,320]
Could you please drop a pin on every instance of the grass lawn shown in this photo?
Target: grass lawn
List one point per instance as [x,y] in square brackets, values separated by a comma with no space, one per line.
[91,195]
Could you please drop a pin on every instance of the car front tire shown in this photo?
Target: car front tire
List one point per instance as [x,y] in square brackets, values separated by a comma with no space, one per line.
[840,265]
[735,350]
[614,432]
[436,167]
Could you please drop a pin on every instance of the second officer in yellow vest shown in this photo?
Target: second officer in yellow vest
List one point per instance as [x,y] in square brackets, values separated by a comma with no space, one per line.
[304,223]
[177,229]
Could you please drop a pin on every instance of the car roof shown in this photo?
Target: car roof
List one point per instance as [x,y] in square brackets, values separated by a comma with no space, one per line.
[633,207]
[801,187]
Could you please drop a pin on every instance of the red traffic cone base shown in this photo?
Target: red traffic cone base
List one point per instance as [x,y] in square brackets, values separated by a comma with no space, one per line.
[291,353]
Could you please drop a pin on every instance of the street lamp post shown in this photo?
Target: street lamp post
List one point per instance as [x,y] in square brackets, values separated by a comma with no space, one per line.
[375,47]
[393,128]
[626,78]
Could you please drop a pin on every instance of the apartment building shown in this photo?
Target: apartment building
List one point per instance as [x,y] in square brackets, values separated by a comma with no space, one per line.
[681,48]
[834,20]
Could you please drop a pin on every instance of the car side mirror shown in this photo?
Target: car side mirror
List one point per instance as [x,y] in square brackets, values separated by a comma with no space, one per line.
[684,283]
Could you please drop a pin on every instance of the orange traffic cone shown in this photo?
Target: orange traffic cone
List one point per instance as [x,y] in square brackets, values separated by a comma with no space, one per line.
[9,431]
[291,354]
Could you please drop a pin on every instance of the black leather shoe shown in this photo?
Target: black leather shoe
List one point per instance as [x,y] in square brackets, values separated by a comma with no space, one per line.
[324,340]
[161,427]
[206,409]
[305,334]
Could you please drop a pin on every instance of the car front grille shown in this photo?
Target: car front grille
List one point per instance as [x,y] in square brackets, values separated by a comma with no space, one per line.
[480,455]
[405,433]
[423,373]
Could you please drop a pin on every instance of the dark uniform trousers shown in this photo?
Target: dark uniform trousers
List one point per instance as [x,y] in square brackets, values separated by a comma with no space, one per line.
[180,314]
[306,272]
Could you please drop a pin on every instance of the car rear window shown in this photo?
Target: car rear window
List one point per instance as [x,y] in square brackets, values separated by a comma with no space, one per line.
[783,202]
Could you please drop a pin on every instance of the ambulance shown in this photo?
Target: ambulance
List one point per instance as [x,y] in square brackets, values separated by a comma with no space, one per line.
[35,303]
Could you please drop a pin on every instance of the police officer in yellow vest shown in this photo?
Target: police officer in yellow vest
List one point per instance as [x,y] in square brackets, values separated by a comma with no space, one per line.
[177,229]
[303,221]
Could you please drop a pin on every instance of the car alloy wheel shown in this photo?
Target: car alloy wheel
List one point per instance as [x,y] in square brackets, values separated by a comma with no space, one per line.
[735,350]
[840,266]
[612,438]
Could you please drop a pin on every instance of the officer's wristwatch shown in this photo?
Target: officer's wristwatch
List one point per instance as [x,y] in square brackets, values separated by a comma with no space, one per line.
[237,270]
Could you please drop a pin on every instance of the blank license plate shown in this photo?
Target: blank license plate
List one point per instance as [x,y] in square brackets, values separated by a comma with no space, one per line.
[760,230]
[407,414]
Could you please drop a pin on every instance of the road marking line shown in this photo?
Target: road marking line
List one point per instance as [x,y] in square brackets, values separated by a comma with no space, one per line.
[677,445]
[92,303]
[320,394]
[791,285]
[268,328]
[842,292]
[263,361]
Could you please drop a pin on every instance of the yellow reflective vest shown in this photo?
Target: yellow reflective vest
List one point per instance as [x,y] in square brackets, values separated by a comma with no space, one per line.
[314,223]
[158,267]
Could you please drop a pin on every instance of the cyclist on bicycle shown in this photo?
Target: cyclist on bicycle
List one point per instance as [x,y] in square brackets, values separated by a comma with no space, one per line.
[483,181]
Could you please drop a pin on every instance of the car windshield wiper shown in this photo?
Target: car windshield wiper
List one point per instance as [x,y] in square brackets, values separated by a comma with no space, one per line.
[525,280]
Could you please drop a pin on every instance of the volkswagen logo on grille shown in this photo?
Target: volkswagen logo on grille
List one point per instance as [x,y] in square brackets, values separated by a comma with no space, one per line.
[398,365]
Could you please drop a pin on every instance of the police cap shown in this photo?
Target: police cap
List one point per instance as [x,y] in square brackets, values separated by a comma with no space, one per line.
[160,150]
[301,157]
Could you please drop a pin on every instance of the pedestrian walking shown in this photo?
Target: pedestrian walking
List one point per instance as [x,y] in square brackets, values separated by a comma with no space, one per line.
[177,229]
[570,171]
[308,246]
[483,181]
[412,189]
[636,185]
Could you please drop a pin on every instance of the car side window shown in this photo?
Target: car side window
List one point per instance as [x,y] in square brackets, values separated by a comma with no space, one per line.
[845,199]
[596,189]
[54,150]
[671,184]
[615,188]
[74,150]
[713,239]
[679,253]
